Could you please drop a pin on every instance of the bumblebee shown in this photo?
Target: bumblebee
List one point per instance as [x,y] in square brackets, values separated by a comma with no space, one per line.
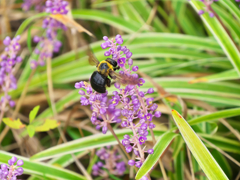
[99,79]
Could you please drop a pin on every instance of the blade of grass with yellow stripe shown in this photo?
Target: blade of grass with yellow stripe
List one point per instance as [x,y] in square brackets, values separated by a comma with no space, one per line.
[204,158]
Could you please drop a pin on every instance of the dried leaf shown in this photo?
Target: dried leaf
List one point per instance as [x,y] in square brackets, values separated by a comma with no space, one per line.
[70,23]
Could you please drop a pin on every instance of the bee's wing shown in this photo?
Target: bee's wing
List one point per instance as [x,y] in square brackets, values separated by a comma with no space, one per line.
[92,58]
[115,75]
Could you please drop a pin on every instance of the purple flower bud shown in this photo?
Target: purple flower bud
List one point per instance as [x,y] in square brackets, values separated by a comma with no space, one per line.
[7,41]
[154,107]
[105,38]
[157,114]
[128,148]
[95,167]
[125,142]
[126,136]
[135,68]
[78,85]
[81,92]
[211,14]
[141,94]
[104,129]
[130,119]
[10,162]
[119,40]
[115,93]
[20,170]
[135,101]
[144,178]
[142,121]
[144,126]
[138,164]
[14,159]
[124,124]
[98,127]
[128,55]
[117,85]
[104,45]
[102,110]
[131,162]
[118,36]
[118,120]
[200,12]
[151,125]
[20,162]
[130,62]
[126,51]
[119,47]
[150,91]
[117,112]
[12,103]
[107,53]
[19,59]
[99,164]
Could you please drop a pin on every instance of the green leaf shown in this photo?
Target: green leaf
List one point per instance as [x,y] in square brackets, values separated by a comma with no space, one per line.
[48,124]
[31,130]
[162,143]
[198,149]
[221,36]
[15,124]
[28,21]
[41,169]
[33,113]
[108,18]
[90,142]
[222,76]
[215,116]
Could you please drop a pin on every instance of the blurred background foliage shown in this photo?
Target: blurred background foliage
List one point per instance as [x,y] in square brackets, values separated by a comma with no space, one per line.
[178,53]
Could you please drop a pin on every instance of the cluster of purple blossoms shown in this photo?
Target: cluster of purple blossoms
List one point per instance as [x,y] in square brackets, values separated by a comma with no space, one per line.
[112,163]
[207,7]
[12,171]
[49,44]
[103,112]
[39,5]
[134,104]
[128,102]
[9,58]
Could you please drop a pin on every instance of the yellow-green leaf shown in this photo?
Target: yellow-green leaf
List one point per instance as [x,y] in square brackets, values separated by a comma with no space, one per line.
[31,130]
[15,124]
[204,158]
[48,124]
[33,113]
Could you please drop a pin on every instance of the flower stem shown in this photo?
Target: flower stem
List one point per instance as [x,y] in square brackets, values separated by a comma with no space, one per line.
[119,143]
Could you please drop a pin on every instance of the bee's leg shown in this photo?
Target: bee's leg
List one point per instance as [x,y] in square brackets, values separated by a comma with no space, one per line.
[116,68]
[108,82]
[112,77]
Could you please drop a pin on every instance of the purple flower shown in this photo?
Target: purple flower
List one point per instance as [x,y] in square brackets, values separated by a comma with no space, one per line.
[121,62]
[9,59]
[148,117]
[11,171]
[111,162]
[142,139]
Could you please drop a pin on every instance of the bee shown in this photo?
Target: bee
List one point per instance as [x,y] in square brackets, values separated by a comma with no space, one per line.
[99,79]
